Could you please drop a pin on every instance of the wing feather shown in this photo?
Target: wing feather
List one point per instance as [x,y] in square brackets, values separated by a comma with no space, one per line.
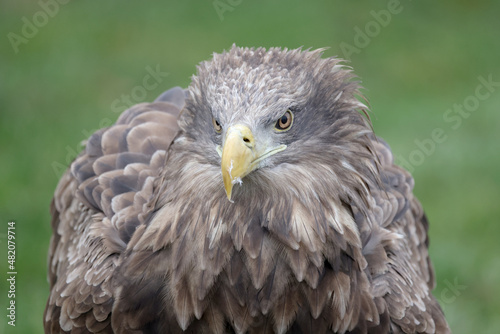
[396,249]
[98,205]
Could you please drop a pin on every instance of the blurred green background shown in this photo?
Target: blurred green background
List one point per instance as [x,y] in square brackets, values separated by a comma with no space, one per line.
[67,68]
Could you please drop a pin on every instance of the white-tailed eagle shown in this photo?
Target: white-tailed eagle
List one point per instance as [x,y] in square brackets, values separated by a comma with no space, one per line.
[257,200]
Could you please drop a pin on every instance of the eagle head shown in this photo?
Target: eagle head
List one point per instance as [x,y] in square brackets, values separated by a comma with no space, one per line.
[263,115]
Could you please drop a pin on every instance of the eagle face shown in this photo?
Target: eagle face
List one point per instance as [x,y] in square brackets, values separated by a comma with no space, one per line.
[256,201]
[264,111]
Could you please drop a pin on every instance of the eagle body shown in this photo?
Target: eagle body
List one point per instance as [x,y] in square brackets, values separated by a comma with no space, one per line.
[258,200]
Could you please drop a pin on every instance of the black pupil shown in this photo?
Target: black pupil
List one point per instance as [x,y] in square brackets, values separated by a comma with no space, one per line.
[283,121]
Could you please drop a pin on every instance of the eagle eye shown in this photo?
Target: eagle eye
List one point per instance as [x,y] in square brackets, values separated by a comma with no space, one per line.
[285,121]
[217,126]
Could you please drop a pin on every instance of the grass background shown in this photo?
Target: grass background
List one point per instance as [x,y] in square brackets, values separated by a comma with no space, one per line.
[61,84]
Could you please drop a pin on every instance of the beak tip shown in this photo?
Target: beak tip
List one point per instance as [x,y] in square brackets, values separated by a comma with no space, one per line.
[228,187]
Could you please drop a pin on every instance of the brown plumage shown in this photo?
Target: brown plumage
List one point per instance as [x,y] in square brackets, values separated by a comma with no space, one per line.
[256,201]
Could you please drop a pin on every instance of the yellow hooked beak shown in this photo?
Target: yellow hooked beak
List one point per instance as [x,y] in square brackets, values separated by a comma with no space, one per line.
[240,157]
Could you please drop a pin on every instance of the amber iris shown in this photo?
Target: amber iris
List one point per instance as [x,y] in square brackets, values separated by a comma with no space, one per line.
[285,121]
